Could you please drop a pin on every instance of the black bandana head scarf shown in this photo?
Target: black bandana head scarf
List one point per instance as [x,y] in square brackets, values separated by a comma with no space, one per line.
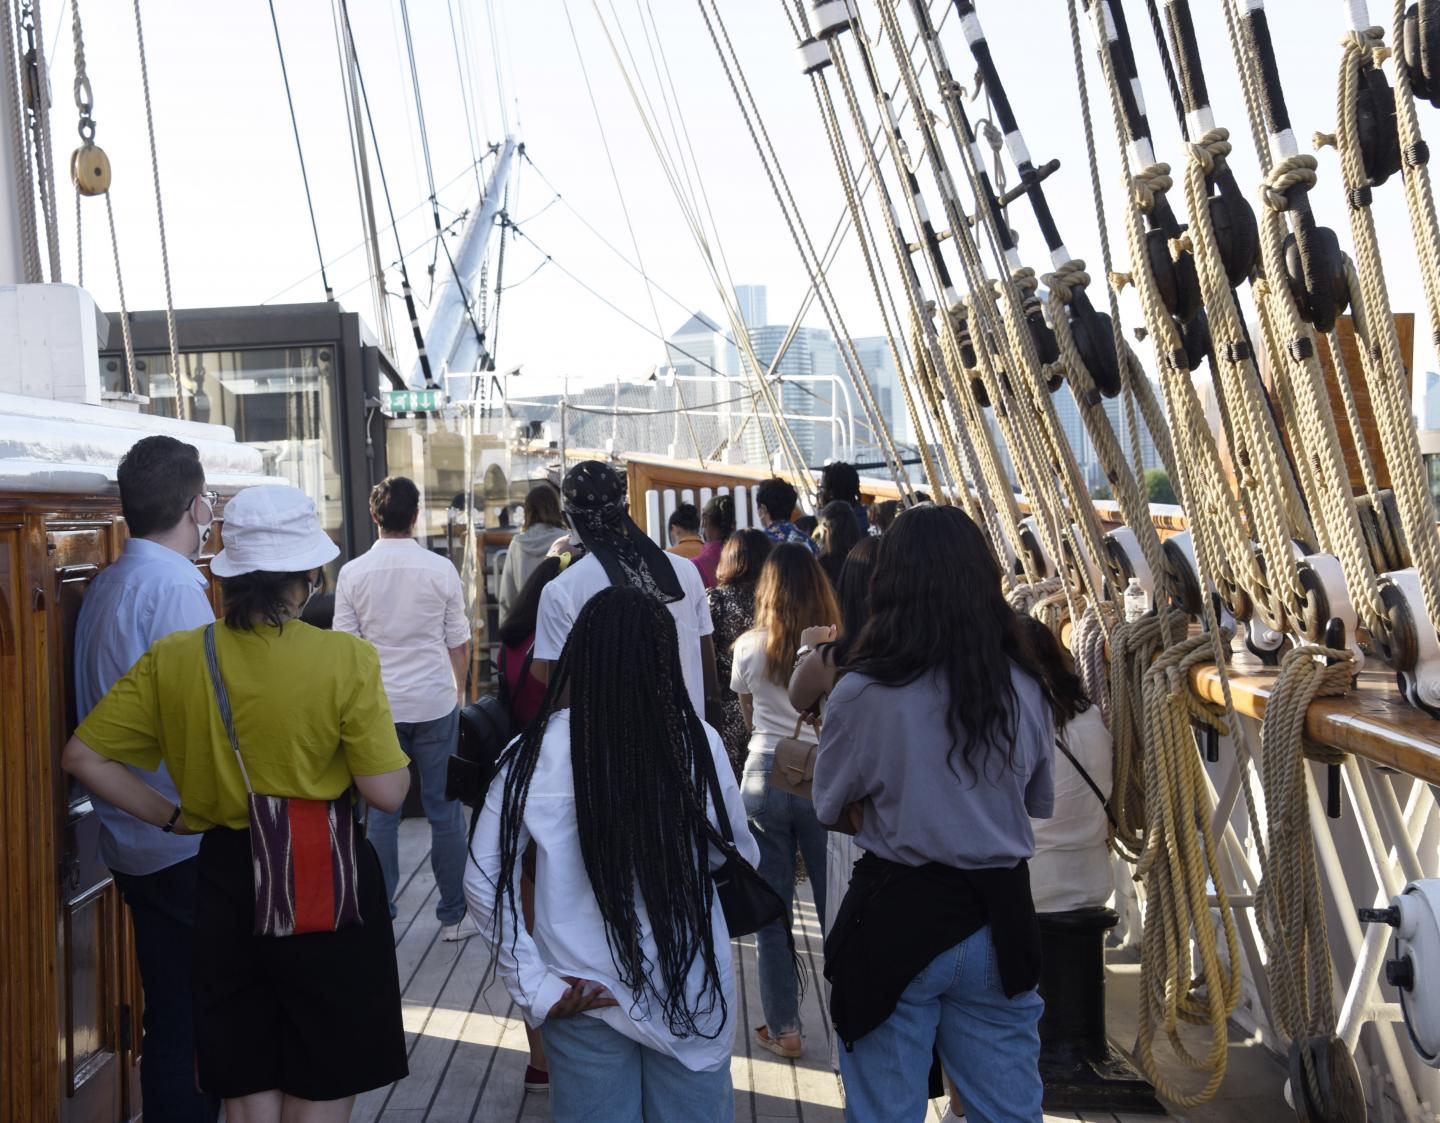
[595,502]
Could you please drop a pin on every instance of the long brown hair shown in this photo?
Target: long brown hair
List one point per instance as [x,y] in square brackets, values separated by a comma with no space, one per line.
[542,507]
[793,594]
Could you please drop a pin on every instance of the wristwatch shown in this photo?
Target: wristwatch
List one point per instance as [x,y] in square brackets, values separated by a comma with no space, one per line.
[169,827]
[805,650]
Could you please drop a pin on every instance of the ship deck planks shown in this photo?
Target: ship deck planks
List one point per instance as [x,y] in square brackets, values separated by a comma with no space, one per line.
[467,1041]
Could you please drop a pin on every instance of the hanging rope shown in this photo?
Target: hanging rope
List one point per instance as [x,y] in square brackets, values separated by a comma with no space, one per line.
[1289,905]
[1381,358]
[90,171]
[159,204]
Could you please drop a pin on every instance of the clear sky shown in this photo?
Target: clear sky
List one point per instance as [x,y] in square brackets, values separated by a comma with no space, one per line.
[239,232]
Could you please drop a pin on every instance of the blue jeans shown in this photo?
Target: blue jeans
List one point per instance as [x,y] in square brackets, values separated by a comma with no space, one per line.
[780,822]
[162,909]
[989,1044]
[600,1076]
[430,744]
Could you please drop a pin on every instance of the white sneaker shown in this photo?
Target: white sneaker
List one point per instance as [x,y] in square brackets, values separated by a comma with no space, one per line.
[456,933]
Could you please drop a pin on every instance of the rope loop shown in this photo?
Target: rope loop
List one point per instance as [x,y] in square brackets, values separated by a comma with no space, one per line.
[1298,169]
[1369,43]
[1149,182]
[1067,279]
[1213,146]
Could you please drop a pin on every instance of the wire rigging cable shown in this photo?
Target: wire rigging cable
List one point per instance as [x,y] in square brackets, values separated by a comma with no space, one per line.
[300,151]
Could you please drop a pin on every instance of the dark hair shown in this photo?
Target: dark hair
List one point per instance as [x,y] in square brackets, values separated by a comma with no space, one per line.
[883,514]
[743,557]
[840,530]
[159,478]
[853,589]
[640,802]
[687,517]
[936,604]
[542,507]
[395,503]
[777,497]
[1067,693]
[839,480]
[719,515]
[806,524]
[521,619]
[258,595]
[793,594]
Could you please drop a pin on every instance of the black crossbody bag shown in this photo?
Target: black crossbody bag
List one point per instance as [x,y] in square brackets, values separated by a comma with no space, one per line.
[748,902]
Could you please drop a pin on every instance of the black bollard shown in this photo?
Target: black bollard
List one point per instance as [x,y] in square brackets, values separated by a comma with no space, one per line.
[1080,1070]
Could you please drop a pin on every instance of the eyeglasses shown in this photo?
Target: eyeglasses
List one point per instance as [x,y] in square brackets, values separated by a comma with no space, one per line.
[211,499]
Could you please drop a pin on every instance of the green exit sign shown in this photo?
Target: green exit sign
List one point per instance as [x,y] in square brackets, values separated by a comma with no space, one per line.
[414,401]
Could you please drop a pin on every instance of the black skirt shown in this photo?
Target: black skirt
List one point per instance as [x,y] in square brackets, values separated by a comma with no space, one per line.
[316,1016]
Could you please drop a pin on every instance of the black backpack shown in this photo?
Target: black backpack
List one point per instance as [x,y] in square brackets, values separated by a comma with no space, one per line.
[487,725]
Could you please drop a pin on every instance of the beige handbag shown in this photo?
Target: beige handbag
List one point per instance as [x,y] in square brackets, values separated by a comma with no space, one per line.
[794,768]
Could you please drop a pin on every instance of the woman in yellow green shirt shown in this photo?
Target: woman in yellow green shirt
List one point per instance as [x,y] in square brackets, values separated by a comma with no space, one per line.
[293,1026]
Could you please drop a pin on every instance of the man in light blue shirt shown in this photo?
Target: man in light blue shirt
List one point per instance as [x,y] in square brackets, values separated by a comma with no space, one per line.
[153,589]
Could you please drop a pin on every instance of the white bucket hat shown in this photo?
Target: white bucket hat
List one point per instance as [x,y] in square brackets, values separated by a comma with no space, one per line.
[273,529]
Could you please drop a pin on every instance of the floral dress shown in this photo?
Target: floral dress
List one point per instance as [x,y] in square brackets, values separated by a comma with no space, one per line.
[732,609]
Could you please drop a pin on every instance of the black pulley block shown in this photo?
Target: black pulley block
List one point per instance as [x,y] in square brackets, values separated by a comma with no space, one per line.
[977,390]
[1375,122]
[1341,1095]
[1177,281]
[967,352]
[1422,50]
[1196,337]
[1046,347]
[1315,270]
[1236,232]
[1184,587]
[1095,340]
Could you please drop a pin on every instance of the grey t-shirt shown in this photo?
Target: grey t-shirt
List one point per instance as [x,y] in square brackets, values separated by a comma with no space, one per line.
[887,747]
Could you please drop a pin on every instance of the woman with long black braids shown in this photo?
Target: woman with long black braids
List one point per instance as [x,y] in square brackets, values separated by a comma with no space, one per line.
[628,973]
[937,748]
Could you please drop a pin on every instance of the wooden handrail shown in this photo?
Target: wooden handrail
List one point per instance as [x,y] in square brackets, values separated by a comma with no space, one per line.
[1372,721]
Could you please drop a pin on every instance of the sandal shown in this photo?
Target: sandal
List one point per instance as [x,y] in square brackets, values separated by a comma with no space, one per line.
[775,1045]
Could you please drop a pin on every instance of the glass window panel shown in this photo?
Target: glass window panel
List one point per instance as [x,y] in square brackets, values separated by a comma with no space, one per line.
[279,400]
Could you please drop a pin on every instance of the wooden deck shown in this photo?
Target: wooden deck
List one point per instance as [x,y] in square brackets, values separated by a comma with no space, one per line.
[468,1052]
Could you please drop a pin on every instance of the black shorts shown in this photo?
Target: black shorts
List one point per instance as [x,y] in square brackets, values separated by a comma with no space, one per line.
[316,1016]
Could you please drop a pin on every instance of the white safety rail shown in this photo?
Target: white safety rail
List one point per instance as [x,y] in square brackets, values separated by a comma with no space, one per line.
[660,505]
[1388,834]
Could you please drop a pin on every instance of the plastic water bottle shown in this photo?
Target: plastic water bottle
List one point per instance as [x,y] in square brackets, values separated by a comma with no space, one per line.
[1137,601]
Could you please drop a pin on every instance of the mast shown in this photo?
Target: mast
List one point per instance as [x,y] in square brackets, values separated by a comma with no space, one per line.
[12,246]
[453,339]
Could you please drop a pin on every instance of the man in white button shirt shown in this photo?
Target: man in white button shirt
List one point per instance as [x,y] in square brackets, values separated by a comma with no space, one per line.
[409,603]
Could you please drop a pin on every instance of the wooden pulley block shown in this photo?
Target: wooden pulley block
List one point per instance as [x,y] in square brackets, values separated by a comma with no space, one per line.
[90,169]
[1095,340]
[1401,642]
[1196,338]
[1315,270]
[1046,347]
[1183,581]
[1177,281]
[1422,49]
[1342,1097]
[1375,123]
[1237,234]
[977,389]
